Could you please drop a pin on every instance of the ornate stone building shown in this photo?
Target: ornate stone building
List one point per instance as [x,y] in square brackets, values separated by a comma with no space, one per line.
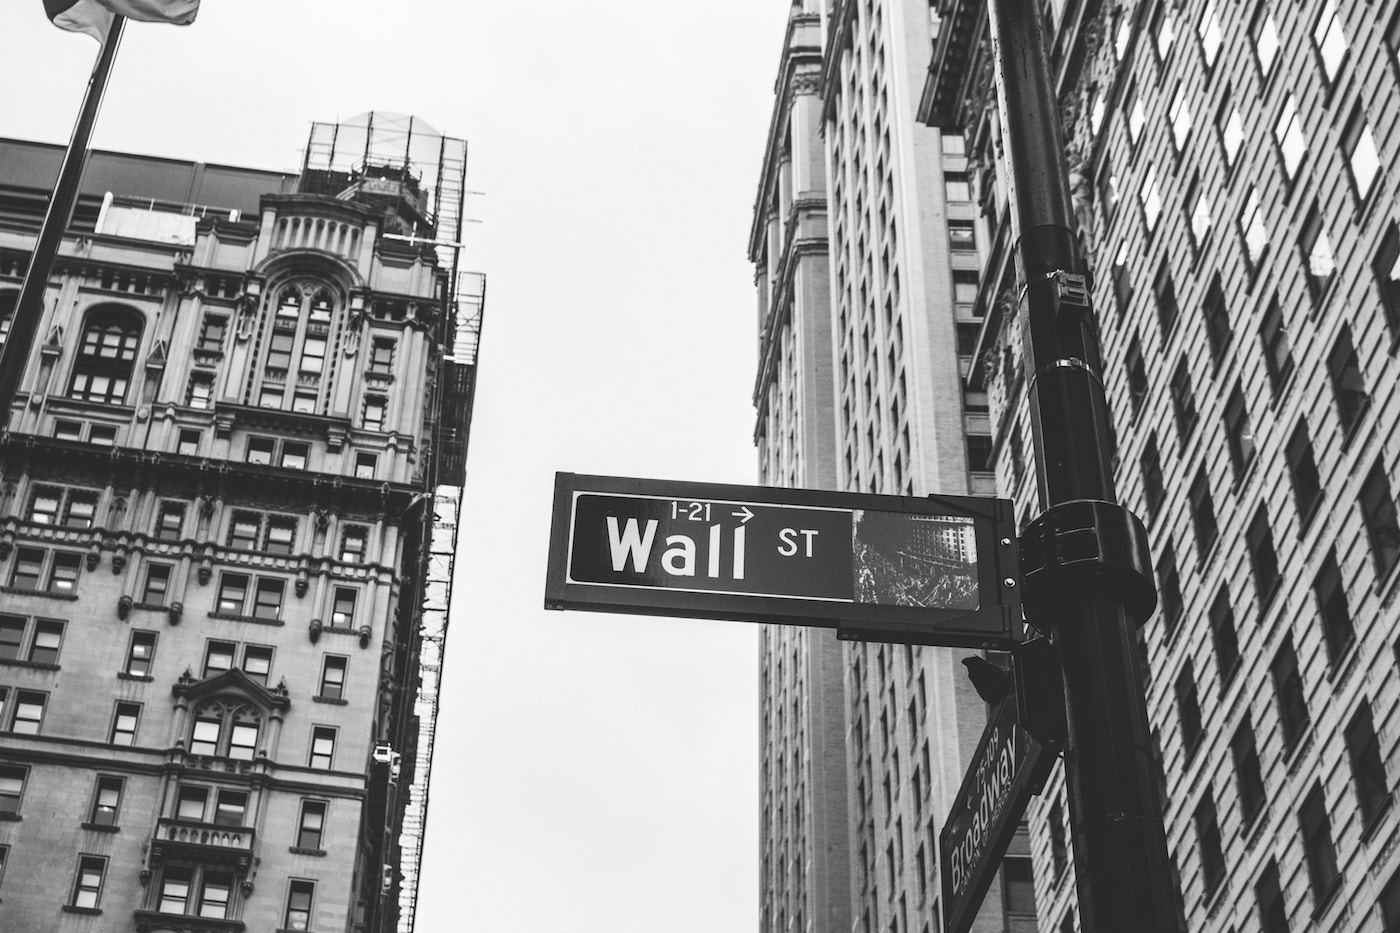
[247,394]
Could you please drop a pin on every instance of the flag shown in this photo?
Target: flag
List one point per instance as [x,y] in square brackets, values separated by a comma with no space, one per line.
[94,17]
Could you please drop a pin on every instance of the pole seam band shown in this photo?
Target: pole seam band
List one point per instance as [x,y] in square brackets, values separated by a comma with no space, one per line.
[1068,363]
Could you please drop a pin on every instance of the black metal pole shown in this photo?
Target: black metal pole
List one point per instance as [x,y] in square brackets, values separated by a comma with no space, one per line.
[1123,876]
[29,307]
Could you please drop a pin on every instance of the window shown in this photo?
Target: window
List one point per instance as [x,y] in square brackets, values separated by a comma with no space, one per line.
[979,453]
[106,357]
[1288,688]
[1183,401]
[260,450]
[1188,709]
[1150,463]
[299,897]
[188,444]
[87,886]
[1137,116]
[244,530]
[124,723]
[374,413]
[190,803]
[1164,292]
[1230,126]
[1208,836]
[1317,843]
[12,629]
[322,747]
[1386,268]
[63,575]
[1319,265]
[311,825]
[281,535]
[1288,134]
[1151,198]
[1379,515]
[953,144]
[343,607]
[1179,117]
[381,351]
[1018,884]
[1165,31]
[1249,779]
[1122,276]
[294,455]
[231,809]
[1059,851]
[1253,232]
[214,892]
[12,778]
[1108,191]
[175,889]
[1333,611]
[1331,40]
[352,544]
[279,350]
[333,678]
[1390,894]
[67,430]
[211,335]
[1273,914]
[961,235]
[29,567]
[1198,209]
[28,713]
[965,286]
[1239,436]
[1224,638]
[257,663]
[44,505]
[267,603]
[1278,355]
[1307,488]
[365,465]
[1209,31]
[1348,385]
[157,585]
[1263,559]
[140,653]
[201,391]
[1169,586]
[1203,514]
[1367,768]
[1265,34]
[170,521]
[106,801]
[217,731]
[955,186]
[289,304]
[102,435]
[304,402]
[313,356]
[1359,147]
[233,590]
[38,645]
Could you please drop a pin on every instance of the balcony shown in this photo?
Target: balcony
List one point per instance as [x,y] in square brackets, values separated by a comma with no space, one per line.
[151,921]
[206,843]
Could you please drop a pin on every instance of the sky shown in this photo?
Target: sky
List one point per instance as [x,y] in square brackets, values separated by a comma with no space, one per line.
[593,772]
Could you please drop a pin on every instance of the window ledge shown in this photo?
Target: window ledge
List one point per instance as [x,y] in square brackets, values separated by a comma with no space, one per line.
[1369,831]
[85,911]
[331,700]
[32,665]
[123,675]
[153,607]
[234,617]
[11,818]
[100,828]
[298,850]
[46,594]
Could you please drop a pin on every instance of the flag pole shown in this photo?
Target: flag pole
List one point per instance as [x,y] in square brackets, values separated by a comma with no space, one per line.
[29,307]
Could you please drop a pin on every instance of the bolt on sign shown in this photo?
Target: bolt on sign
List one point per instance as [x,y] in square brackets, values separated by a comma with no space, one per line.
[940,570]
[1007,768]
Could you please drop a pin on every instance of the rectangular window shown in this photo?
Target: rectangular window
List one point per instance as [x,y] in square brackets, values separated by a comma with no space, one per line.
[12,779]
[1263,559]
[1390,894]
[231,809]
[1264,32]
[1150,197]
[204,737]
[965,286]
[1153,489]
[218,658]
[214,892]
[281,535]
[1224,638]
[201,391]
[955,188]
[1319,264]
[961,235]
[1219,333]
[45,505]
[257,663]
[1188,709]
[1330,40]
[333,678]
[1359,148]
[29,567]
[141,653]
[279,350]
[1288,688]
[374,414]
[953,144]
[63,576]
[1179,116]
[365,465]
[1278,355]
[188,444]
[1164,292]
[1183,401]
[1288,134]
[294,456]
[1208,836]
[102,436]
[242,742]
[190,803]
[1337,630]
[1230,126]
[343,607]
[311,825]
[87,887]
[304,402]
[1253,232]
[1367,767]
[211,335]
[1379,514]
[1137,115]
[233,591]
[175,889]
[299,898]
[106,801]
[271,397]
[1307,487]
[170,521]
[260,450]
[267,603]
[1198,213]
[979,453]
[1059,850]
[157,585]
[82,509]
[124,723]
[1203,514]
[12,636]
[313,355]
[352,544]
[1239,436]
[1318,850]
[1249,778]
[1348,384]
[1169,585]
[28,712]
[322,747]
[1386,268]
[48,637]
[244,531]
[1122,275]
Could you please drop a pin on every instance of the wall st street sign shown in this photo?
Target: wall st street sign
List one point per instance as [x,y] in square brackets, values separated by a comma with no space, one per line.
[927,571]
[1007,768]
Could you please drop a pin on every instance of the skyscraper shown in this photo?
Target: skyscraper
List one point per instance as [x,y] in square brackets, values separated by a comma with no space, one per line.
[1233,170]
[866,265]
[228,504]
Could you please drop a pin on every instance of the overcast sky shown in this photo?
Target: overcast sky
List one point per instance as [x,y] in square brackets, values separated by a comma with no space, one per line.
[593,772]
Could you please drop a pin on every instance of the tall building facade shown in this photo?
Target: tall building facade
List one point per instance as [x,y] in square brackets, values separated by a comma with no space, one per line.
[1233,168]
[228,470]
[866,266]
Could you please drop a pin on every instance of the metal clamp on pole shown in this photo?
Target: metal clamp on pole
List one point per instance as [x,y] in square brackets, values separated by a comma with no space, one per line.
[1084,538]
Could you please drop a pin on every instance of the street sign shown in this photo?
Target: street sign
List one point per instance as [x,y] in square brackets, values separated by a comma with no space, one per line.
[939,571]
[1007,768]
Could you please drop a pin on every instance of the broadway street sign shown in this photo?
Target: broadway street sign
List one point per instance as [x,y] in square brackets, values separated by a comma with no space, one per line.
[1007,768]
[939,571]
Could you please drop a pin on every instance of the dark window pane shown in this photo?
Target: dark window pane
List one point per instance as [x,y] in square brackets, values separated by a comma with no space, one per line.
[1223,637]
[1307,488]
[1337,630]
[1288,687]
[1382,524]
[1363,748]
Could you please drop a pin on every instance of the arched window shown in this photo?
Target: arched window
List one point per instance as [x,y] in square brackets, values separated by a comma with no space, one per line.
[222,729]
[296,356]
[106,356]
